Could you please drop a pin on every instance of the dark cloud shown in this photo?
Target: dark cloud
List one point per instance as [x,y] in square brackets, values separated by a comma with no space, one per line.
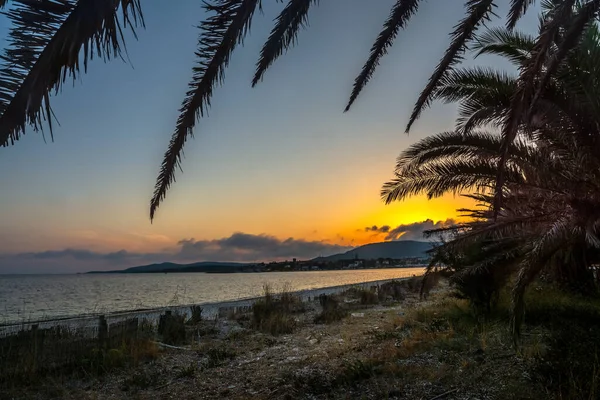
[82,255]
[378,229]
[237,247]
[412,231]
[247,247]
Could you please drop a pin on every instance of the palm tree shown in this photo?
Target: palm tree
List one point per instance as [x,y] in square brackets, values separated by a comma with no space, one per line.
[50,39]
[550,213]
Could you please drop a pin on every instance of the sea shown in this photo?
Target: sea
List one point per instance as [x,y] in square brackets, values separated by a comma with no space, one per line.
[26,298]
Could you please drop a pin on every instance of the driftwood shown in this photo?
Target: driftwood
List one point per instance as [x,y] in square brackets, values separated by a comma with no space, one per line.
[168,346]
[439,396]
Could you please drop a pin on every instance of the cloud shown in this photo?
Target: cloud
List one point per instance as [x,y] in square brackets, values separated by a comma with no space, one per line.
[247,247]
[243,247]
[81,255]
[412,231]
[380,229]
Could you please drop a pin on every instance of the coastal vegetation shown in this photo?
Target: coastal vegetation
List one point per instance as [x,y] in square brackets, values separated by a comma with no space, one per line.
[396,348]
[543,219]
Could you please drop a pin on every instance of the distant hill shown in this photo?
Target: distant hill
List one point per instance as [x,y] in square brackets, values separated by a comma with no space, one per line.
[205,266]
[396,249]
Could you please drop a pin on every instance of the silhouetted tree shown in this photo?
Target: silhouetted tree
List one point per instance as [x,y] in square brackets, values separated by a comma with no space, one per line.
[549,218]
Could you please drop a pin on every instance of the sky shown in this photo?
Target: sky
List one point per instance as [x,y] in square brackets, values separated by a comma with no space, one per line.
[275,172]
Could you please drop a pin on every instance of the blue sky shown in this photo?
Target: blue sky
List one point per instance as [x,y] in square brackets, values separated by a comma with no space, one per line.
[280,160]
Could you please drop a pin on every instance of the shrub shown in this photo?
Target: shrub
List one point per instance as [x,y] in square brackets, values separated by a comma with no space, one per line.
[570,363]
[428,283]
[189,371]
[172,328]
[481,287]
[368,297]
[478,271]
[414,284]
[394,289]
[364,295]
[196,315]
[217,355]
[273,314]
[331,310]
[355,371]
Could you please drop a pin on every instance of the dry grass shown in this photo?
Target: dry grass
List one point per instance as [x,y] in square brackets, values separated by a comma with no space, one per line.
[274,312]
[34,354]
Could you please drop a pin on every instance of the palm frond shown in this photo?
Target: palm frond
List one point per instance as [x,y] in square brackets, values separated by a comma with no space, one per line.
[478,11]
[586,16]
[401,12]
[444,176]
[523,95]
[284,35]
[475,83]
[467,120]
[47,42]
[516,46]
[449,144]
[518,8]
[226,27]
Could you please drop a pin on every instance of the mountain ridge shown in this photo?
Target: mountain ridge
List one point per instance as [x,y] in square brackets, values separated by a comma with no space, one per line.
[395,250]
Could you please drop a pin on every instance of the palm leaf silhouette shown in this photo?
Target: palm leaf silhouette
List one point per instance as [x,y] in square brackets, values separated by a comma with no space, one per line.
[45,43]
[220,34]
[399,16]
[293,17]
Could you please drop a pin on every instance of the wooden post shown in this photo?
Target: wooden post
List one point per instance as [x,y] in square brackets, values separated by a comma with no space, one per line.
[34,335]
[102,332]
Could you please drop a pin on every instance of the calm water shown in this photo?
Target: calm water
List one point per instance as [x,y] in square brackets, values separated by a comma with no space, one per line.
[32,297]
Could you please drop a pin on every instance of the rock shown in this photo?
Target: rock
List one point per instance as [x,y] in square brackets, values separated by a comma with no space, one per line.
[313,341]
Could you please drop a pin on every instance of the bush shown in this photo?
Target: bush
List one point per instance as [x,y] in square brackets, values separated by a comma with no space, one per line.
[368,297]
[331,310]
[414,284]
[273,314]
[481,287]
[394,289]
[364,295]
[429,282]
[172,328]
[196,315]
[358,370]
[478,271]
[217,355]
[570,364]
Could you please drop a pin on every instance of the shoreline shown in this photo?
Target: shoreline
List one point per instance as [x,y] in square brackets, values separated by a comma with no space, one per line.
[210,310]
